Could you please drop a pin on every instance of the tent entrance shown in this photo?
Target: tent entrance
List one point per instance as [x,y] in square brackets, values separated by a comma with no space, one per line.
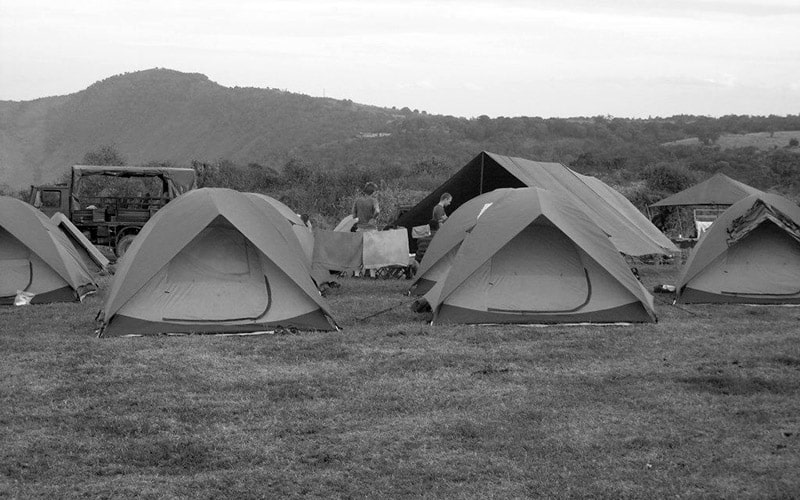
[16,268]
[17,275]
[216,277]
[539,271]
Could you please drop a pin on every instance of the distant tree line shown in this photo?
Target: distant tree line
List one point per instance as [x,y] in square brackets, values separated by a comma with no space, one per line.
[411,156]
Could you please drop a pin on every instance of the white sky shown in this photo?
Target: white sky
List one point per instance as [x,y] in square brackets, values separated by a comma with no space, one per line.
[628,58]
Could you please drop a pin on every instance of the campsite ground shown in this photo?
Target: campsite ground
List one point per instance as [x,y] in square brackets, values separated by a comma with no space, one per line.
[705,403]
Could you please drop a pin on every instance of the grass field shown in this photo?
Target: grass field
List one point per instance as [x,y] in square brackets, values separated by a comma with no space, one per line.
[760,140]
[705,403]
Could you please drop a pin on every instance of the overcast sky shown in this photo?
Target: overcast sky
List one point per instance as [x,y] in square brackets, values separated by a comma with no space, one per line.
[628,58]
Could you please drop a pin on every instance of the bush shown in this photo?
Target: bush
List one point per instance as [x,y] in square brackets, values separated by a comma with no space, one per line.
[668,178]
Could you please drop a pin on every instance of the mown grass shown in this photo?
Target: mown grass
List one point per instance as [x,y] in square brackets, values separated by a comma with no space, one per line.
[761,140]
[704,403]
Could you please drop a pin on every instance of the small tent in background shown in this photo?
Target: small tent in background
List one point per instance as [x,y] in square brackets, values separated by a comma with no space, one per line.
[36,258]
[630,231]
[751,254]
[214,261]
[709,199]
[534,257]
[90,255]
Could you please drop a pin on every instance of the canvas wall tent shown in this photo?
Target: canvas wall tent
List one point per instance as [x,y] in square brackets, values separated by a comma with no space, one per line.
[93,259]
[708,199]
[630,231]
[750,255]
[35,257]
[214,261]
[534,257]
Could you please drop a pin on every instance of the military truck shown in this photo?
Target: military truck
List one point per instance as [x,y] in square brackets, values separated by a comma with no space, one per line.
[112,220]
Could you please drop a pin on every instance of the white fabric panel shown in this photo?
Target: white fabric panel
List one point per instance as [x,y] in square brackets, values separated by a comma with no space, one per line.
[385,248]
[422,231]
[701,226]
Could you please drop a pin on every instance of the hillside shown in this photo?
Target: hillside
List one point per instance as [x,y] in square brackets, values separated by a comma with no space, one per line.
[167,116]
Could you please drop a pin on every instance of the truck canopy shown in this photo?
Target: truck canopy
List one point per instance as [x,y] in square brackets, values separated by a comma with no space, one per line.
[176,180]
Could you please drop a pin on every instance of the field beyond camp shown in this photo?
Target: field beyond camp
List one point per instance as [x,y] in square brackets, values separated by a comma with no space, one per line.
[705,403]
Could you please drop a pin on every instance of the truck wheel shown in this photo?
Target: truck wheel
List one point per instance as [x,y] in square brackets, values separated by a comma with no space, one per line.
[123,244]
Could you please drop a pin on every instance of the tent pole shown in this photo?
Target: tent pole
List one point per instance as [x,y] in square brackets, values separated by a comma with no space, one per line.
[480,189]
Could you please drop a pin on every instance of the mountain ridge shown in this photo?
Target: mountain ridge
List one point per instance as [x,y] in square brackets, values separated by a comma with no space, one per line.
[167,116]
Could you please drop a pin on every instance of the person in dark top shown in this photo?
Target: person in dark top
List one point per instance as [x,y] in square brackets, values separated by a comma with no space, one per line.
[366,209]
[439,215]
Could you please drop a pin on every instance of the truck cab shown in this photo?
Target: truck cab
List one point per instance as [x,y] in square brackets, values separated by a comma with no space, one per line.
[50,198]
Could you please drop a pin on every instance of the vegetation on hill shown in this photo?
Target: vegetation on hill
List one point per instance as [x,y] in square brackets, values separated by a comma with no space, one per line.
[315,153]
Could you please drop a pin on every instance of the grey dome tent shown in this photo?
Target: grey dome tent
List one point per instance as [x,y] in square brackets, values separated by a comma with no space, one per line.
[36,258]
[751,254]
[214,261]
[534,257]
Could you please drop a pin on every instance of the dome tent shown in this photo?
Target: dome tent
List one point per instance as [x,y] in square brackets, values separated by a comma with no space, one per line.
[534,257]
[214,261]
[751,254]
[36,258]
